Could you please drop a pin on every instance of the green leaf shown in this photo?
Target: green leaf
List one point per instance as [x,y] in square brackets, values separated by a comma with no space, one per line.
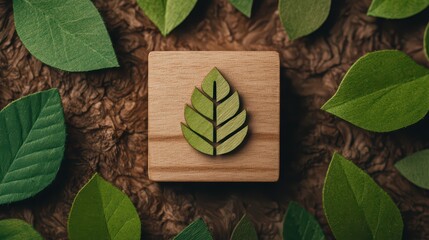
[300,225]
[426,42]
[383,91]
[215,126]
[416,168]
[244,6]
[32,142]
[302,17]
[69,35]
[197,230]
[167,14]
[396,9]
[15,229]
[356,207]
[244,230]
[101,211]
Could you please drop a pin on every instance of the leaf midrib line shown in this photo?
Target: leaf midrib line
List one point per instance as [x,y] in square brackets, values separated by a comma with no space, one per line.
[69,33]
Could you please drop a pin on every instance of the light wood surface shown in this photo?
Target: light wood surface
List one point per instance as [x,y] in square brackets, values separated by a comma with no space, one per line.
[172,79]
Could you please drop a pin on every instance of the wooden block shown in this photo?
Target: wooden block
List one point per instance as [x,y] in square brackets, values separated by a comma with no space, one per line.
[173,77]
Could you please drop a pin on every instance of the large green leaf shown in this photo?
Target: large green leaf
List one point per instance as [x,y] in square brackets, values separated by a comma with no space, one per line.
[396,9]
[167,14]
[32,141]
[300,225]
[244,6]
[215,126]
[68,34]
[416,168]
[356,207]
[382,91]
[244,230]
[15,229]
[302,17]
[101,211]
[197,230]
[426,42]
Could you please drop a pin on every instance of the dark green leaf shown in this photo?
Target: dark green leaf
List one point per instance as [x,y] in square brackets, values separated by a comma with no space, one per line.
[167,14]
[416,168]
[244,6]
[32,141]
[15,229]
[101,211]
[382,91]
[356,207]
[69,35]
[244,230]
[302,17]
[197,230]
[396,9]
[300,225]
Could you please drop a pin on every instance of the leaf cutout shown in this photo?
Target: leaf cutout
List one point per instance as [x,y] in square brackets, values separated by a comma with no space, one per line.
[15,229]
[244,6]
[167,14]
[416,168]
[299,224]
[197,230]
[356,207]
[302,17]
[383,91]
[101,211]
[396,9]
[32,142]
[244,230]
[69,35]
[228,131]
[426,42]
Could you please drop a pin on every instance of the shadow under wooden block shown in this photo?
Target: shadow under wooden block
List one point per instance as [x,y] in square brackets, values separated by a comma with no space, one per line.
[173,77]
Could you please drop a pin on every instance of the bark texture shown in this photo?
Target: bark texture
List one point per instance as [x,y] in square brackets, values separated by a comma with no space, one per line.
[106,114]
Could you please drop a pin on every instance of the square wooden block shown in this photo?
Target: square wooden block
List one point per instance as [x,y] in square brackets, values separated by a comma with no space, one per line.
[173,77]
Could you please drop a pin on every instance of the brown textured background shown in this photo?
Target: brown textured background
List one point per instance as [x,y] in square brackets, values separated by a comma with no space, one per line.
[106,114]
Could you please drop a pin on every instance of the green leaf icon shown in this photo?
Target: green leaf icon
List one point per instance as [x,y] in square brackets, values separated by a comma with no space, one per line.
[101,211]
[15,229]
[215,126]
[32,142]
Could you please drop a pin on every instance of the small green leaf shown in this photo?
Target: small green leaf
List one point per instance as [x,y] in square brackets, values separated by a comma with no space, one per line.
[244,6]
[356,207]
[383,91]
[101,211]
[416,168]
[167,14]
[32,142]
[69,35]
[396,9]
[300,225]
[15,229]
[214,102]
[426,42]
[244,230]
[302,17]
[197,230]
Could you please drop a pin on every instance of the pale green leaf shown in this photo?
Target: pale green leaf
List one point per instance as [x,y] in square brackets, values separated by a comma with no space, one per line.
[101,211]
[32,142]
[396,9]
[69,35]
[232,142]
[356,207]
[302,17]
[231,126]
[199,123]
[298,224]
[167,14]
[416,168]
[197,230]
[383,91]
[244,6]
[202,104]
[196,141]
[426,42]
[15,229]
[215,84]
[244,230]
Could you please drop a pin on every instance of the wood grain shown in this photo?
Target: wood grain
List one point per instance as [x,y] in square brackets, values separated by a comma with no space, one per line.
[173,77]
